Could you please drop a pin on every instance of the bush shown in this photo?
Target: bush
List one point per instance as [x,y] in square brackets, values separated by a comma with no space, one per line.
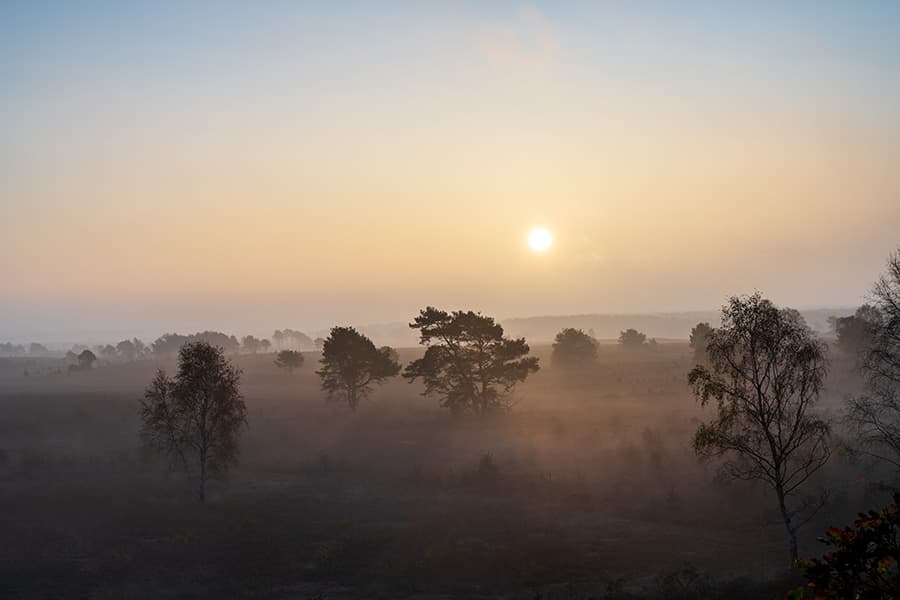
[487,473]
[862,562]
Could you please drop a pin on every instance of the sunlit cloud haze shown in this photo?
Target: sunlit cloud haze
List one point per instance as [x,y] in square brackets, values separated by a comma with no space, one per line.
[245,166]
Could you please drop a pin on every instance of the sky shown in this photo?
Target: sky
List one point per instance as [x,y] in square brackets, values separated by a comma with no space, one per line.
[250,165]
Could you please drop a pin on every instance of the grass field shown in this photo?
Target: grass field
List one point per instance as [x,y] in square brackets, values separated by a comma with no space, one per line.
[587,488]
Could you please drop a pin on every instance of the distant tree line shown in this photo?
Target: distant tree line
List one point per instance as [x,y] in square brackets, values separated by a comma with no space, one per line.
[168,345]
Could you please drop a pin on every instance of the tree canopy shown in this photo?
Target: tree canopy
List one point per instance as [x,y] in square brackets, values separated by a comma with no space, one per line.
[290,339]
[854,333]
[86,360]
[251,344]
[130,349]
[632,338]
[573,348]
[289,360]
[351,365]
[468,363]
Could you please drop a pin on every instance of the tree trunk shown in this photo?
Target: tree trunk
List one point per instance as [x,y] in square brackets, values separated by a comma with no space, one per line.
[202,480]
[791,531]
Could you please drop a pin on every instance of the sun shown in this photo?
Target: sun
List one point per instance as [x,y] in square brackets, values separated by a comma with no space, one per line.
[540,239]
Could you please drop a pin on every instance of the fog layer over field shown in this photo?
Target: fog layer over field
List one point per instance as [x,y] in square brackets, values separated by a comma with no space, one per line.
[591,478]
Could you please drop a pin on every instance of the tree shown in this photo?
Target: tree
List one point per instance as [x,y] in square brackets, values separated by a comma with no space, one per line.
[854,333]
[250,344]
[573,348]
[196,417]
[86,360]
[468,363]
[289,339]
[10,349]
[130,349]
[228,343]
[351,365]
[387,350]
[168,344]
[278,338]
[35,349]
[863,561]
[265,345]
[126,350]
[109,351]
[632,338]
[765,374]
[319,343]
[699,339]
[875,415]
[289,359]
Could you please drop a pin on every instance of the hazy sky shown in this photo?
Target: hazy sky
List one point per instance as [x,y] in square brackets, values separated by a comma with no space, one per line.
[248,165]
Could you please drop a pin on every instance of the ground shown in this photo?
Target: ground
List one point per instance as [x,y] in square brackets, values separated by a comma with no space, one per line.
[587,488]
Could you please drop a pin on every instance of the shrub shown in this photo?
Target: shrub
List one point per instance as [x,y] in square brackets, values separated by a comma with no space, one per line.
[862,562]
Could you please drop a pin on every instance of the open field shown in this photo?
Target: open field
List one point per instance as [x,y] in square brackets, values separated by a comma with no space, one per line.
[590,489]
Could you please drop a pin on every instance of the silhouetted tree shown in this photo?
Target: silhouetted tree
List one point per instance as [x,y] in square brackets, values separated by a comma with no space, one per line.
[228,343]
[289,359]
[390,352]
[875,416]
[632,338]
[108,351]
[250,344]
[196,417]
[10,349]
[127,350]
[265,345]
[289,339]
[855,333]
[468,363]
[278,339]
[573,348]
[765,373]
[36,349]
[699,338]
[351,364]
[168,344]
[17,349]
[319,343]
[86,360]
